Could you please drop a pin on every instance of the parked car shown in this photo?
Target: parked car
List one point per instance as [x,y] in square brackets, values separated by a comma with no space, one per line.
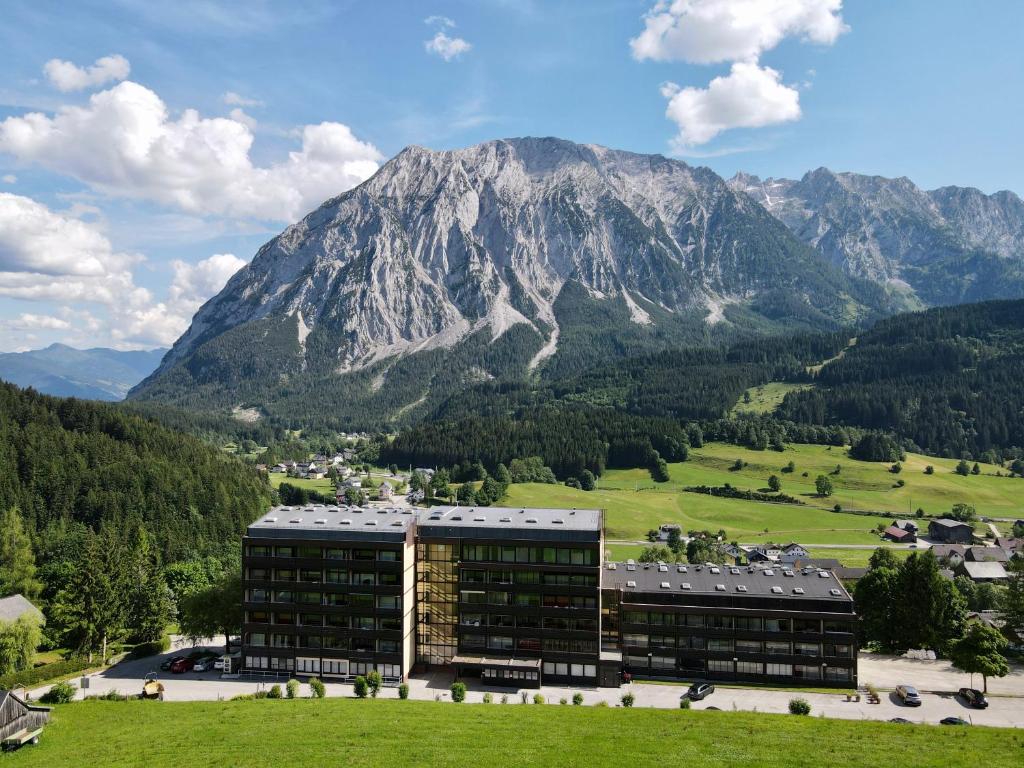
[953,721]
[169,662]
[698,691]
[204,665]
[182,665]
[908,695]
[974,698]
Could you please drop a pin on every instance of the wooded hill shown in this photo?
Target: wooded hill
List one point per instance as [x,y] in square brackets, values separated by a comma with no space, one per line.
[68,461]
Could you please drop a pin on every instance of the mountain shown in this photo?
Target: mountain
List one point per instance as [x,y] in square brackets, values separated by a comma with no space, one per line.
[507,259]
[946,246]
[92,374]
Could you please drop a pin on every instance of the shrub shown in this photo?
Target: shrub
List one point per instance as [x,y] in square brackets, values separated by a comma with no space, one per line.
[601,703]
[274,692]
[538,699]
[316,688]
[243,697]
[261,695]
[291,689]
[488,698]
[108,696]
[59,693]
[684,703]
[627,699]
[504,698]
[31,677]
[458,690]
[373,682]
[577,699]
[151,648]
[799,707]
[929,470]
[563,700]
[360,686]
[896,468]
[403,691]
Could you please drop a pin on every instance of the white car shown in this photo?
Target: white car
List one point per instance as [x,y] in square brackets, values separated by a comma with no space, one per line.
[204,665]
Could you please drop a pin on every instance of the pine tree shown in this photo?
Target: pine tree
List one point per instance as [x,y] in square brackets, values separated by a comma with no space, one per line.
[1011,606]
[149,608]
[17,561]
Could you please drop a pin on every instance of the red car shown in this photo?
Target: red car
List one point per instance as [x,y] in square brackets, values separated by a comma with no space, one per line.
[180,666]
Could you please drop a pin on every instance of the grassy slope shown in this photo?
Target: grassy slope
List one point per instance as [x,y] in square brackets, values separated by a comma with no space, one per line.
[306,732]
[634,503]
[767,397]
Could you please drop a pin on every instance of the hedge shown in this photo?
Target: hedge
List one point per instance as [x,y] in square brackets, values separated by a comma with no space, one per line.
[31,677]
[152,648]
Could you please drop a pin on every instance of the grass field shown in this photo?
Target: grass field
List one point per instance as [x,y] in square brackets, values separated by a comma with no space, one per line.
[304,732]
[767,397]
[634,503]
[323,485]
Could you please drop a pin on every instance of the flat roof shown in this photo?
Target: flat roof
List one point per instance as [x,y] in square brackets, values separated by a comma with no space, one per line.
[776,580]
[511,523]
[326,521]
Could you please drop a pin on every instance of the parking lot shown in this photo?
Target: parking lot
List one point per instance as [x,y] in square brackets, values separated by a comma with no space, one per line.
[936,681]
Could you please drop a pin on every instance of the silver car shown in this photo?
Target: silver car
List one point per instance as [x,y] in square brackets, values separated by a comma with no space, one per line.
[908,695]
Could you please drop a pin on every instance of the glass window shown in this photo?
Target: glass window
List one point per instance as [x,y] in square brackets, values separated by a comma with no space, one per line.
[310,598]
[284,618]
[807,672]
[749,668]
[474,641]
[778,625]
[635,640]
[364,578]
[284,574]
[527,577]
[311,619]
[473,577]
[389,601]
[778,648]
[527,600]
[310,575]
[806,649]
[259,551]
[310,551]
[258,639]
[285,551]
[837,673]
[387,646]
[838,626]
[501,620]
[364,554]
[499,643]
[336,599]
[389,555]
[720,644]
[807,625]
[392,623]
[693,620]
[338,621]
[259,617]
[779,670]
[714,665]
[748,646]
[336,576]
[336,554]
[363,622]
[259,574]
[719,622]
[748,623]
[528,643]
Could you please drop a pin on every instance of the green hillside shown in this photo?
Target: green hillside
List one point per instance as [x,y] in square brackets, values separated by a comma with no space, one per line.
[634,503]
[388,732]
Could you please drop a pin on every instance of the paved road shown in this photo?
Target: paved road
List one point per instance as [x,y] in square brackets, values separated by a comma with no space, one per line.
[935,679]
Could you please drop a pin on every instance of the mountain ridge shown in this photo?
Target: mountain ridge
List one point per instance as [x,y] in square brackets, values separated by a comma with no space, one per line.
[96,373]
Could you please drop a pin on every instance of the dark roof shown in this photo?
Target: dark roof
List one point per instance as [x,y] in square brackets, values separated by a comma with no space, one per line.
[898,533]
[945,550]
[849,573]
[980,554]
[320,521]
[705,579]
[512,523]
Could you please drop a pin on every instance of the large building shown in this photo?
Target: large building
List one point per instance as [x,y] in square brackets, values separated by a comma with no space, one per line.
[744,623]
[519,597]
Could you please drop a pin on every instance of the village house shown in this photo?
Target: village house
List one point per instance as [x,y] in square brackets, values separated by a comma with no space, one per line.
[792,552]
[906,525]
[384,491]
[953,554]
[899,535]
[986,554]
[950,531]
[987,571]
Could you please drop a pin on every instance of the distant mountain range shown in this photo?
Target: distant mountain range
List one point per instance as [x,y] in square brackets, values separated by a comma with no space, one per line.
[527,259]
[94,374]
[945,246]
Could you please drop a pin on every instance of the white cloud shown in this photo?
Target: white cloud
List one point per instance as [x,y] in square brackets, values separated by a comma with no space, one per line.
[239,115]
[233,99]
[709,31]
[50,256]
[748,97]
[125,143]
[66,76]
[442,21]
[9,178]
[447,48]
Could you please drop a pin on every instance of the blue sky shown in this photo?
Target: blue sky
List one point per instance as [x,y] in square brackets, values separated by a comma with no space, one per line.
[105,239]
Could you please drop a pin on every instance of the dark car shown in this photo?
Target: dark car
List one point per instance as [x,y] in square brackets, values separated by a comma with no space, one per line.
[169,662]
[698,691]
[974,698]
[182,665]
[953,721]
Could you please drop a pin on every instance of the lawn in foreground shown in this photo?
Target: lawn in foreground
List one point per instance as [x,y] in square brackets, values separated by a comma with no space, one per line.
[350,732]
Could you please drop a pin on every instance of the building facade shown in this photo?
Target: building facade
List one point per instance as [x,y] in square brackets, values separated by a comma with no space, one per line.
[754,624]
[330,592]
[520,598]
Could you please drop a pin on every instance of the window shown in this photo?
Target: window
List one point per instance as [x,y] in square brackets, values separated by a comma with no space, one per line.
[256,662]
[634,617]
[807,625]
[779,670]
[285,551]
[282,641]
[499,577]
[749,668]
[695,643]
[336,599]
[663,641]
[550,622]
[284,618]
[778,648]
[474,641]
[837,673]
[842,650]
[474,577]
[720,644]
[309,598]
[715,665]
[336,554]
[528,644]
[364,554]
[557,668]
[501,620]
[692,620]
[472,596]
[662,619]
[364,578]
[750,624]
[311,552]
[498,598]
[259,551]
[362,645]
[390,624]
[259,617]
[635,640]
[259,574]
[362,622]
[311,575]
[387,646]
[663,662]
[284,574]
[309,641]
[807,672]
[284,596]
[360,601]
[388,555]
[311,619]
[528,622]
[748,646]
[336,576]
[778,625]
[258,639]
[527,600]
[473,620]
[335,666]
[389,601]
[527,577]
[500,643]
[332,643]
[806,649]
[719,622]
[258,596]
[282,665]
[838,626]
